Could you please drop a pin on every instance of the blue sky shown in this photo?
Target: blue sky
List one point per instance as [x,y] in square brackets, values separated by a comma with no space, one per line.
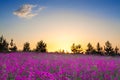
[110,8]
[56,16]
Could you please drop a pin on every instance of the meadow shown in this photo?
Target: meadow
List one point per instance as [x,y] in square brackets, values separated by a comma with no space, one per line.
[53,66]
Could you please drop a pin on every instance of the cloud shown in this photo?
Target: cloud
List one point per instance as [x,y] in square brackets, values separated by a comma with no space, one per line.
[28,11]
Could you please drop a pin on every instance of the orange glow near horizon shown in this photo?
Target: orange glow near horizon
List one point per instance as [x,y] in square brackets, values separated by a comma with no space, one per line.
[61,29]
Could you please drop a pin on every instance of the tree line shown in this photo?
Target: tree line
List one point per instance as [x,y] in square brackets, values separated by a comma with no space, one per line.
[76,49]
[11,47]
[106,50]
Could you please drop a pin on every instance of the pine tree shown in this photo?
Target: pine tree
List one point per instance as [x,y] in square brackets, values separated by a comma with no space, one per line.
[108,48]
[13,46]
[26,47]
[99,49]
[116,50]
[76,48]
[73,48]
[3,44]
[90,49]
[41,46]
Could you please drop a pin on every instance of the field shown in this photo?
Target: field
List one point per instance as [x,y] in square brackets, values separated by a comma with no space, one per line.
[42,66]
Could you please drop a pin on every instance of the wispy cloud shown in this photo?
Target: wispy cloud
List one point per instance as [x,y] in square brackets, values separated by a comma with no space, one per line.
[28,11]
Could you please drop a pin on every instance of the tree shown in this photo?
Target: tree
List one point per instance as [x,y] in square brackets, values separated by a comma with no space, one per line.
[73,48]
[99,49]
[76,48]
[116,50]
[3,44]
[41,46]
[108,48]
[90,49]
[26,47]
[1,39]
[11,43]
[61,51]
[13,46]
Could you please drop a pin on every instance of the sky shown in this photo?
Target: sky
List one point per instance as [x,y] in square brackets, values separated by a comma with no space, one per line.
[60,23]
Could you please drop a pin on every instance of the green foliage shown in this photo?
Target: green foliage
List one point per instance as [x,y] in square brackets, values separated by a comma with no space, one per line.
[41,46]
[26,47]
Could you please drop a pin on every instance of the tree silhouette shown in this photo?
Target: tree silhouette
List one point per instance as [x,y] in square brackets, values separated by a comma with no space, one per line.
[90,49]
[76,48]
[108,48]
[99,49]
[26,47]
[13,46]
[73,48]
[11,43]
[79,49]
[41,46]
[3,45]
[61,51]
[116,50]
